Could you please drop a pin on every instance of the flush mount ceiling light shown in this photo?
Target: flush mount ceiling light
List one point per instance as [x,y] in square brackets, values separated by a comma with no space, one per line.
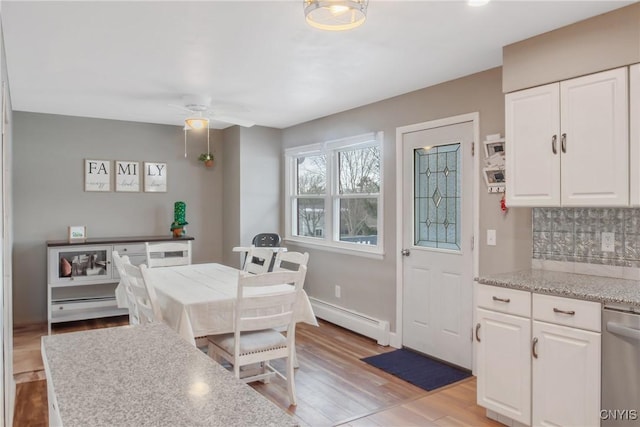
[478,2]
[335,15]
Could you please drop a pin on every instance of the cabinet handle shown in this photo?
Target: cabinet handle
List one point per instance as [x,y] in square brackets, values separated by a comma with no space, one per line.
[569,312]
[502,299]
[477,329]
[534,343]
[554,140]
[563,142]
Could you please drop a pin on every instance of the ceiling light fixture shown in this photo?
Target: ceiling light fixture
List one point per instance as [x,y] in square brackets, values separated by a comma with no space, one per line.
[195,123]
[478,2]
[335,15]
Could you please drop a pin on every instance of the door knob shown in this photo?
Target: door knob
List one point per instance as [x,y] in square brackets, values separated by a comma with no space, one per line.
[405,252]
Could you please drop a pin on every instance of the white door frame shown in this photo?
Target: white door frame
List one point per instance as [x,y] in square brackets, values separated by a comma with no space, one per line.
[396,338]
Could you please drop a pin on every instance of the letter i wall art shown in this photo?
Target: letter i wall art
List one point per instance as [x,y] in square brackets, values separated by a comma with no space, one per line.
[128,175]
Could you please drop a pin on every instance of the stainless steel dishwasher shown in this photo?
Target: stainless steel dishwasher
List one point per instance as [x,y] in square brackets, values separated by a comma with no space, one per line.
[620,366]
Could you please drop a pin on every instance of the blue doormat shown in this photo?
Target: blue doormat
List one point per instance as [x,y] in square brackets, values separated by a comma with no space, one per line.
[417,369]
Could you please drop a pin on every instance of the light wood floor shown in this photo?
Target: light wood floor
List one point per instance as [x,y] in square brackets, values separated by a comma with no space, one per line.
[333,386]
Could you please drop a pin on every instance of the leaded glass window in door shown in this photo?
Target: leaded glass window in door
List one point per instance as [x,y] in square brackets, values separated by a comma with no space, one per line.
[437,196]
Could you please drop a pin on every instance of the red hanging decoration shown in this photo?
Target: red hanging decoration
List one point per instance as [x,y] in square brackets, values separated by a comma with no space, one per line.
[503,204]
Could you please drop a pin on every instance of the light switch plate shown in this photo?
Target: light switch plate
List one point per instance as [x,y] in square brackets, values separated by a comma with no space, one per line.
[607,241]
[491,237]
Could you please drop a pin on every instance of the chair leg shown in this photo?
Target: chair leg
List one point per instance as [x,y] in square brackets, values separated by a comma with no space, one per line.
[291,382]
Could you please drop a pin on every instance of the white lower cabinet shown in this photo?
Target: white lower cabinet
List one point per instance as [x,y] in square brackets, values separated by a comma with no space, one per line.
[538,365]
[503,364]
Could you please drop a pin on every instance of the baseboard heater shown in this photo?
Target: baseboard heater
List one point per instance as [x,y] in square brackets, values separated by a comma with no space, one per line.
[352,320]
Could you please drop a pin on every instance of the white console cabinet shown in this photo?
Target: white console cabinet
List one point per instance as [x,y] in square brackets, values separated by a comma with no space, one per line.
[82,279]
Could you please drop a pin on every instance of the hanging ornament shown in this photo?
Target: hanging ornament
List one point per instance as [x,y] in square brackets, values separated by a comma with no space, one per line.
[503,204]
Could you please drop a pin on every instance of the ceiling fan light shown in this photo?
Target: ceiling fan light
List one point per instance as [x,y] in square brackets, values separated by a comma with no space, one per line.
[196,122]
[335,15]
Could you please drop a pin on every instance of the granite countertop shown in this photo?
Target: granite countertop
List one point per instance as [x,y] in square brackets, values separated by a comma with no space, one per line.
[572,285]
[148,376]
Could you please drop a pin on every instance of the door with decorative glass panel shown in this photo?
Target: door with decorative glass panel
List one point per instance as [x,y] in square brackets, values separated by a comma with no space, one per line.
[437,231]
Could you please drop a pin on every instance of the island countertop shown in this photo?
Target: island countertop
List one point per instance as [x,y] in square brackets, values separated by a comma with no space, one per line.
[571,285]
[147,376]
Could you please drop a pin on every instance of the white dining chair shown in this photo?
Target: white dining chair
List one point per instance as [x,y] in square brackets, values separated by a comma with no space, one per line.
[290,261]
[144,293]
[167,254]
[258,260]
[260,310]
[132,306]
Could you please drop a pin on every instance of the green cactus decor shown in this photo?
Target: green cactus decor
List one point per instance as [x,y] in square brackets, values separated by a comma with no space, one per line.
[179,219]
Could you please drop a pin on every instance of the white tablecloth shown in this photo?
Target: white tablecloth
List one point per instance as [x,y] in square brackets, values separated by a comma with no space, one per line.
[199,299]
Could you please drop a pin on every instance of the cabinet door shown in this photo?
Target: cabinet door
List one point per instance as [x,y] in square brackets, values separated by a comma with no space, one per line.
[595,152]
[79,264]
[566,376]
[532,146]
[504,364]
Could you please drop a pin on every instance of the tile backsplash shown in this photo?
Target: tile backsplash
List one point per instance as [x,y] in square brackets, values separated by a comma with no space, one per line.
[574,235]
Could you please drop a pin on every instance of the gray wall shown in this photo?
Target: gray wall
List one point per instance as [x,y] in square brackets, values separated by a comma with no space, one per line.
[368,285]
[49,192]
[600,43]
[252,186]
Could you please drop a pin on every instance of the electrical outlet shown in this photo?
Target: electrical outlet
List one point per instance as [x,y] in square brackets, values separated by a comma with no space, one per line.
[607,241]
[491,237]
[337,291]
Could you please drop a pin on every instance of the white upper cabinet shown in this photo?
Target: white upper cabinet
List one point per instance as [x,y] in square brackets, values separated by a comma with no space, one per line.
[568,143]
[532,160]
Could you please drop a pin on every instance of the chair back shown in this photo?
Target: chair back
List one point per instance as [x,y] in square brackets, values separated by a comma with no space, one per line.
[290,261]
[263,302]
[119,262]
[266,240]
[167,254]
[258,260]
[145,294]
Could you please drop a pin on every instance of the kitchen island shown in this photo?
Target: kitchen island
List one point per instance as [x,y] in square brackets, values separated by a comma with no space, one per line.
[145,376]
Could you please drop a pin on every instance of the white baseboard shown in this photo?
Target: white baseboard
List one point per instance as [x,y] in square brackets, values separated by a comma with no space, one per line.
[352,320]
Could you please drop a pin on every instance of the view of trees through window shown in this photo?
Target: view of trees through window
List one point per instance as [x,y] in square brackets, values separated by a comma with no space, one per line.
[355,199]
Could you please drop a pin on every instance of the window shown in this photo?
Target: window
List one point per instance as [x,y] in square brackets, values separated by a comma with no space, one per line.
[334,193]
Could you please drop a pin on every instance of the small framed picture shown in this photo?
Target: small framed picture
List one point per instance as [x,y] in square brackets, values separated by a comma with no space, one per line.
[493,147]
[155,177]
[127,176]
[97,175]
[77,232]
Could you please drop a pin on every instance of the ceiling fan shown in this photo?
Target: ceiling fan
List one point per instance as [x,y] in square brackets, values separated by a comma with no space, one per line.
[201,113]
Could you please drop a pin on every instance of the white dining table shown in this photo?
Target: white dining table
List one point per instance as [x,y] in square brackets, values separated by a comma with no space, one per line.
[199,299]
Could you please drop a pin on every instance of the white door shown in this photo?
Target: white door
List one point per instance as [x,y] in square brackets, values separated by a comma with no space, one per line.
[438,227]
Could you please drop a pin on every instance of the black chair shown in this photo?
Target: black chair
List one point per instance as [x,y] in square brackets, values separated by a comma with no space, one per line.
[266,240]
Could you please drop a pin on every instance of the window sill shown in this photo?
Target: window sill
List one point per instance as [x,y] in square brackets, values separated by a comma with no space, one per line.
[348,250]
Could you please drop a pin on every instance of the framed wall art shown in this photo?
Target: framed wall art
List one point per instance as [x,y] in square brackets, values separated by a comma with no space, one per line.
[77,232]
[127,176]
[97,175]
[155,177]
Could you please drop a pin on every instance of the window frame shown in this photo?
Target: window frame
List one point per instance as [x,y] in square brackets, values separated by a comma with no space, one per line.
[331,235]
